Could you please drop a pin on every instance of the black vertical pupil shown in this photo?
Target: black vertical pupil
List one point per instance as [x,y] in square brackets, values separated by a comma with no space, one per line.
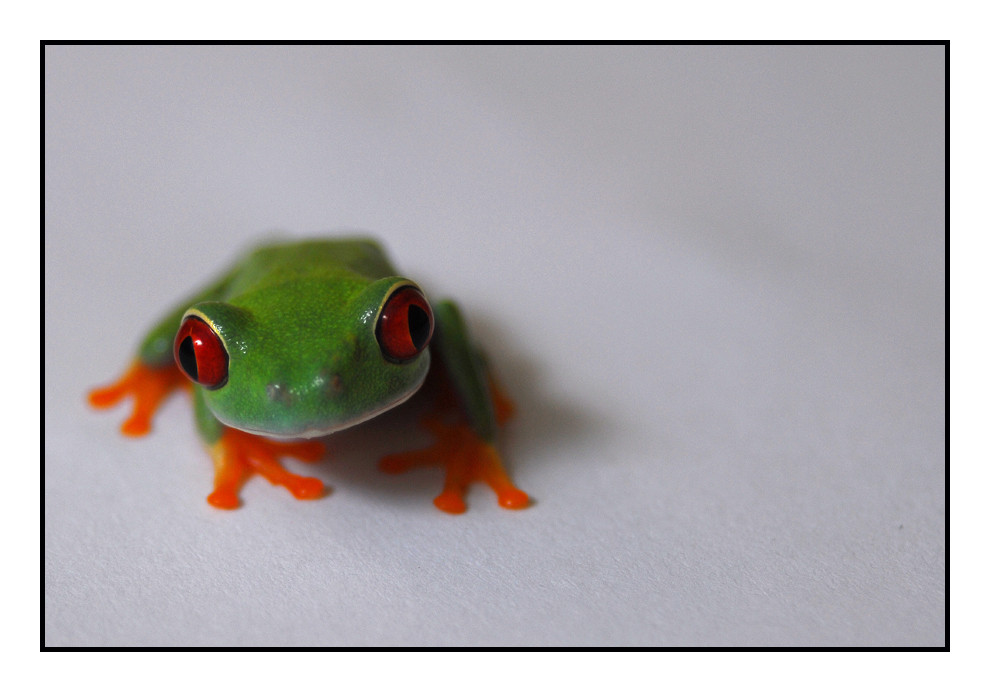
[187,358]
[419,326]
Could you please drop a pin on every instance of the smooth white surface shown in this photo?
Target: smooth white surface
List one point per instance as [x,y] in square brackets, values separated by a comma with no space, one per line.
[712,278]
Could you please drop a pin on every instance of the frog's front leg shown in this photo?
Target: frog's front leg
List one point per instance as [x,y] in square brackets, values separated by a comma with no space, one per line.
[464,444]
[466,458]
[237,455]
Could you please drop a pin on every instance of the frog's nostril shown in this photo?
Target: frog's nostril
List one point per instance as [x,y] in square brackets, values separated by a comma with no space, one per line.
[333,383]
[278,393]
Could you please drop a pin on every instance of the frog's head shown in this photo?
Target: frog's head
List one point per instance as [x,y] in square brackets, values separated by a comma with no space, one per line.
[308,357]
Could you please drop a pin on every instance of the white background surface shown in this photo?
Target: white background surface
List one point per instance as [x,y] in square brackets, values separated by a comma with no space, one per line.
[712,279]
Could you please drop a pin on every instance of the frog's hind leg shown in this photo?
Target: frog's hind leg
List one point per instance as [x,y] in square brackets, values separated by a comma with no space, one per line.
[149,386]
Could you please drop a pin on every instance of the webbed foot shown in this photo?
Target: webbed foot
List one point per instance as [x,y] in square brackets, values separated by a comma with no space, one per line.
[237,454]
[148,386]
[467,459]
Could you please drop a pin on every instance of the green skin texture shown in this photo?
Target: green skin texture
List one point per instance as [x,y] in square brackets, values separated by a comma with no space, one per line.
[298,321]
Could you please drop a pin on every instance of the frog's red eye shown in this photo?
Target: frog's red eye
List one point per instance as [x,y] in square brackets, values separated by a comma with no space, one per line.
[200,353]
[405,324]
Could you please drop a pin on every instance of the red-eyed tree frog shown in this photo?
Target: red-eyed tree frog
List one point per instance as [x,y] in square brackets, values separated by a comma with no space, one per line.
[302,339]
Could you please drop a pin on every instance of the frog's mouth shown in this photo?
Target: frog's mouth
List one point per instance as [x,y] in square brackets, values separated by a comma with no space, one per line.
[324,427]
[324,430]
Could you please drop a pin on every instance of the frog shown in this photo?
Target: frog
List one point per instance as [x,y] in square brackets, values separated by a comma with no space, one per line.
[300,339]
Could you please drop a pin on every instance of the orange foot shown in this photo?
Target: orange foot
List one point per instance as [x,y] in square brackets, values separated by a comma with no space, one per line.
[237,454]
[149,387]
[467,459]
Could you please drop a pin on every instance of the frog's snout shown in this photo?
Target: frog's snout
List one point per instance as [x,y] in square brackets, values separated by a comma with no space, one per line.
[278,393]
[334,385]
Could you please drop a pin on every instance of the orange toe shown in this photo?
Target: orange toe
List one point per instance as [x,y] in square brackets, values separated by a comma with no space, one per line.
[237,455]
[467,459]
[148,386]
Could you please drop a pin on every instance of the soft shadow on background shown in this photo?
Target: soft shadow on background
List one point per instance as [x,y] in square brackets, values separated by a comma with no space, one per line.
[711,277]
